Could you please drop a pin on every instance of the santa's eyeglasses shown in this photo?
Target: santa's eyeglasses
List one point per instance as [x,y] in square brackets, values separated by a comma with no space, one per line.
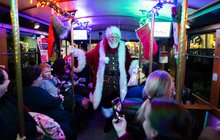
[114,37]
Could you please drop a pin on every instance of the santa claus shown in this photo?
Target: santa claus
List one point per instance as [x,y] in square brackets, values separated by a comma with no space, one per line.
[111,63]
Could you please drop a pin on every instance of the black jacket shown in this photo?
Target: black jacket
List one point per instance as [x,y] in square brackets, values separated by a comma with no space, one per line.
[9,119]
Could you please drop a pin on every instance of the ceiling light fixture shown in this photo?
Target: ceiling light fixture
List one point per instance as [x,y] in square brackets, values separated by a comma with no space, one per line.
[36,26]
[187,26]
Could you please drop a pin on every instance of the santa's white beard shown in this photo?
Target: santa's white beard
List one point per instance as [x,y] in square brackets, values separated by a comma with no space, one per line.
[113,45]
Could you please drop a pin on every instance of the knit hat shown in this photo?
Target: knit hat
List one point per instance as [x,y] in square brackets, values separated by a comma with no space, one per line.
[30,74]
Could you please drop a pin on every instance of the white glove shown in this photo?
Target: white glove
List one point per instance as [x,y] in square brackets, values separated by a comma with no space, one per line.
[104,60]
[73,50]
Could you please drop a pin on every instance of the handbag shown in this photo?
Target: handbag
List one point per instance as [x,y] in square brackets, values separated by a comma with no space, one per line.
[50,127]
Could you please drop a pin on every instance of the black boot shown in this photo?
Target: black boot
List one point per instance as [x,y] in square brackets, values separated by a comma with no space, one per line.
[108,125]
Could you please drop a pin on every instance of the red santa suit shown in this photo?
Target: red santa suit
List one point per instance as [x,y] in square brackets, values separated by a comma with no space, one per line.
[97,59]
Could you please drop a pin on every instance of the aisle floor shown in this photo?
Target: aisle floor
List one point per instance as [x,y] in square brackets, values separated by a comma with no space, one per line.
[95,130]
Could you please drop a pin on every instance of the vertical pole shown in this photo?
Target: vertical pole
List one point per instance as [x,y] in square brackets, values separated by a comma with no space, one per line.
[182,50]
[16,38]
[65,47]
[72,73]
[90,40]
[162,65]
[139,63]
[151,40]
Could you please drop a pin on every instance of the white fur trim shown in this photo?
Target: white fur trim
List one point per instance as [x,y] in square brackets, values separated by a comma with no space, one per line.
[134,65]
[99,78]
[107,112]
[101,70]
[123,75]
[81,57]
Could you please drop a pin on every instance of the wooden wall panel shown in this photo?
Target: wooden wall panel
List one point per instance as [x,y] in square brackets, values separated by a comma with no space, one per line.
[3,48]
[215,88]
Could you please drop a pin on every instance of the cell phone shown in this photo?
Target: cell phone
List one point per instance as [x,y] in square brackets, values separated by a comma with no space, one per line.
[117,106]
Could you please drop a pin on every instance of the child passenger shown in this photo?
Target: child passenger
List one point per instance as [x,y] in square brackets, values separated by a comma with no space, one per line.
[48,82]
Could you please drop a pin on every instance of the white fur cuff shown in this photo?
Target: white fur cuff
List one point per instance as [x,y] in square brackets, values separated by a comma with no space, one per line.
[107,112]
[81,57]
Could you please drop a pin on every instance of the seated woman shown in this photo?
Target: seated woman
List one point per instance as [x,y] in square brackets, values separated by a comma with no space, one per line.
[81,96]
[39,100]
[85,75]
[62,71]
[9,122]
[163,119]
[158,84]
[134,97]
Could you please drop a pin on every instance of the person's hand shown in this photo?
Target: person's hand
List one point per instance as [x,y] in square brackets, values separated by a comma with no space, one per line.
[85,102]
[75,77]
[67,71]
[51,76]
[20,138]
[61,96]
[58,90]
[40,133]
[91,97]
[217,128]
[120,127]
[90,85]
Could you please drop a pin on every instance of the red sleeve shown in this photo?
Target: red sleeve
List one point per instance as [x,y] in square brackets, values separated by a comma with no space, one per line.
[92,55]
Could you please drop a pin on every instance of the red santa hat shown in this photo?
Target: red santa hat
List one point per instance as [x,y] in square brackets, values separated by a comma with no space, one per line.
[112,30]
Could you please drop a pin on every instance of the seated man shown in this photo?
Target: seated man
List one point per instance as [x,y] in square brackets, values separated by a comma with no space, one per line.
[9,113]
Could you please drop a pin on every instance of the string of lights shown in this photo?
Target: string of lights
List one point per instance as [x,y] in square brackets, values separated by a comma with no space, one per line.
[157,7]
[54,5]
[60,12]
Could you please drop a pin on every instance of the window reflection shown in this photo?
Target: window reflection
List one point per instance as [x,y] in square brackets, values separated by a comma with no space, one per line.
[199,64]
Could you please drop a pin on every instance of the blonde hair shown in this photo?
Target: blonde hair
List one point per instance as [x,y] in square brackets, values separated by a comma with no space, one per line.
[44,65]
[158,83]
